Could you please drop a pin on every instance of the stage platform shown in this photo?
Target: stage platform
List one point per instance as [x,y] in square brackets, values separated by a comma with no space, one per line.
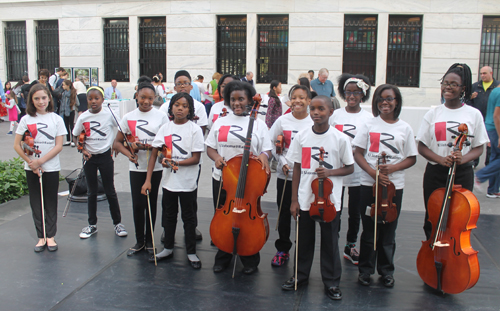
[96,274]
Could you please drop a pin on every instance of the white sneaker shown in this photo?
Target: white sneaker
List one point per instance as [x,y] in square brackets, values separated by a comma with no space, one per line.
[88,231]
[493,195]
[120,230]
[66,143]
[73,144]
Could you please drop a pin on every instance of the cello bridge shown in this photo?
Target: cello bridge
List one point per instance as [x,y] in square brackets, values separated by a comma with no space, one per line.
[439,244]
[239,211]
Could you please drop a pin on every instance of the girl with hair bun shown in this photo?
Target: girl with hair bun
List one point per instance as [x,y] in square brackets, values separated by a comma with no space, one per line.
[354,90]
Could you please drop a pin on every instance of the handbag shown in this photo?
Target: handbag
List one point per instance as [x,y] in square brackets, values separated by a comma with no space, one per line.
[80,192]
[158,101]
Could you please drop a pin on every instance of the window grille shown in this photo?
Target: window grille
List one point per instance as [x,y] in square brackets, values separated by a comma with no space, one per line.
[272,55]
[116,50]
[16,51]
[232,44]
[360,45]
[47,44]
[403,50]
[490,45]
[152,46]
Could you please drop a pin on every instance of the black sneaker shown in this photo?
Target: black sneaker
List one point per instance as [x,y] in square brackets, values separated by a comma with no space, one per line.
[88,231]
[351,253]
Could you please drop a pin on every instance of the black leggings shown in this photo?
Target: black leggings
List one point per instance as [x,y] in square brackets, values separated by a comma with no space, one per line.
[69,124]
[353,206]
[50,188]
[140,204]
[283,243]
[104,163]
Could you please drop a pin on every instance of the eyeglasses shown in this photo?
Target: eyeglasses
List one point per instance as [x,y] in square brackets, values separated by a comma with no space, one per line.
[357,93]
[452,84]
[387,99]
[183,84]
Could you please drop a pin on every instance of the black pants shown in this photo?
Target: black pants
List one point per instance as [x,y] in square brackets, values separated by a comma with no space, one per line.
[195,195]
[104,163]
[354,207]
[82,98]
[223,258]
[169,218]
[283,243]
[69,124]
[50,182]
[435,177]
[386,237]
[331,269]
[140,204]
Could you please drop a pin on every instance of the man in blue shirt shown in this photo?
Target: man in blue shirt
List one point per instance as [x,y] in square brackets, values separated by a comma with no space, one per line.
[492,123]
[112,92]
[322,85]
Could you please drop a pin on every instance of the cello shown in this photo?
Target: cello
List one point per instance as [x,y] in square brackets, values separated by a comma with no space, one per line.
[322,209]
[239,226]
[447,261]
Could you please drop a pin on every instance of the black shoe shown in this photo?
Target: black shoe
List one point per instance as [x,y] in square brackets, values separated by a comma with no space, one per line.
[195,264]
[334,293]
[135,249]
[388,280]
[290,284]
[162,239]
[364,279]
[219,268]
[149,248]
[199,237]
[52,248]
[249,270]
[39,249]
[212,243]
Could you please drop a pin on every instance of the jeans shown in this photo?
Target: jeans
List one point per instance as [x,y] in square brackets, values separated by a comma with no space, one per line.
[492,171]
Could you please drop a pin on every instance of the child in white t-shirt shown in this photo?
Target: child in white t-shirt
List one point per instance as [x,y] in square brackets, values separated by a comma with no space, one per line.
[288,126]
[142,124]
[337,162]
[185,141]
[354,89]
[47,130]
[388,134]
[100,127]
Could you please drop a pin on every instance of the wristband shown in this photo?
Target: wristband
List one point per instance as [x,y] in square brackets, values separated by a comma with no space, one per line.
[263,152]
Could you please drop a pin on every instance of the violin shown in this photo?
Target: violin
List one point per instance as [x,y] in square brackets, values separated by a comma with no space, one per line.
[239,226]
[447,261]
[322,209]
[166,155]
[280,144]
[81,141]
[139,145]
[383,207]
[28,145]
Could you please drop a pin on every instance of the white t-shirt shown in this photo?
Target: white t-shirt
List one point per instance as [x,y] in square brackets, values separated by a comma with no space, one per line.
[201,87]
[183,140]
[216,111]
[228,134]
[305,150]
[348,123]
[396,140]
[199,111]
[44,128]
[440,124]
[100,130]
[288,126]
[144,125]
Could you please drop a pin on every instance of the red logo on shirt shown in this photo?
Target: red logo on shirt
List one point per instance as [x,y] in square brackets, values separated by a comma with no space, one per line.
[375,141]
[339,127]
[306,157]
[288,138]
[131,126]
[33,130]
[440,129]
[168,141]
[216,116]
[225,130]
[94,127]
[346,129]
[86,126]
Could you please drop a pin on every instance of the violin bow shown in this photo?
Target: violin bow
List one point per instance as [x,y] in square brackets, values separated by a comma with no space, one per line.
[151,224]
[220,187]
[296,248]
[124,136]
[376,207]
[43,206]
[281,202]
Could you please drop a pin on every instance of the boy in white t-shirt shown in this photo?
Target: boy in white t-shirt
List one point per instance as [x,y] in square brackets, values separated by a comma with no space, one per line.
[338,162]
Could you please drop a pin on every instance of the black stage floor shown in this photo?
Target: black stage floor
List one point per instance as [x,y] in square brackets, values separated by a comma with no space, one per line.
[96,274]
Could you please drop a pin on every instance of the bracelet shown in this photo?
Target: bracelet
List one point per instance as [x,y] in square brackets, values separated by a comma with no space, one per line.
[263,152]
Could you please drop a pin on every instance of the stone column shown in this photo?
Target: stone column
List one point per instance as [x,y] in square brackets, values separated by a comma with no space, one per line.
[252,44]
[133,29]
[31,50]
[382,37]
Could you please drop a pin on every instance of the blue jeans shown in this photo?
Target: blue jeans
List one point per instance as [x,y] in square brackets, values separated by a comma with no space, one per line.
[491,172]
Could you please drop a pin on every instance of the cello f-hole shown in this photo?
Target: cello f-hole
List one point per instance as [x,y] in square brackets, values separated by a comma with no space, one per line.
[229,207]
[250,212]
[455,246]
